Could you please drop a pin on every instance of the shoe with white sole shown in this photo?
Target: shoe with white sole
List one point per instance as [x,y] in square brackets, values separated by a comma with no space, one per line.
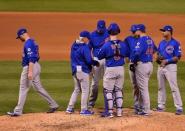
[179,112]
[70,110]
[13,114]
[86,113]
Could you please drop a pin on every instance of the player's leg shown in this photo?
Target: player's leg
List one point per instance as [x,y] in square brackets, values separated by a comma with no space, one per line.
[108,84]
[143,72]
[161,89]
[171,76]
[136,92]
[97,75]
[24,88]
[94,86]
[39,88]
[84,84]
[76,92]
[118,91]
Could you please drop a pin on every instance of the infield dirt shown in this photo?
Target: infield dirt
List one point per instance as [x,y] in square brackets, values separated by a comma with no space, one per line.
[61,121]
[55,32]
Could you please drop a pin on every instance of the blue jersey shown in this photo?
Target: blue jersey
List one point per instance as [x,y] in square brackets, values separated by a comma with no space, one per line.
[169,49]
[81,56]
[143,50]
[114,53]
[30,52]
[97,41]
[131,41]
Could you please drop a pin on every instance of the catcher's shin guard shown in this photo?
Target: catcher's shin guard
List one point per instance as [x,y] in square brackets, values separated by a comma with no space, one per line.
[109,99]
[118,98]
[106,108]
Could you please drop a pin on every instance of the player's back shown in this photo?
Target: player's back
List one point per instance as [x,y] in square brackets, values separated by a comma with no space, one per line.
[80,56]
[114,53]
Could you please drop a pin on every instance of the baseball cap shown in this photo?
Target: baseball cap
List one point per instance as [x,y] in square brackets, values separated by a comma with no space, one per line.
[113,27]
[167,28]
[133,28]
[20,32]
[140,27]
[101,25]
[85,34]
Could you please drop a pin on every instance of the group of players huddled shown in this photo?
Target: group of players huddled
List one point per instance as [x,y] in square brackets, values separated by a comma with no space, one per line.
[104,55]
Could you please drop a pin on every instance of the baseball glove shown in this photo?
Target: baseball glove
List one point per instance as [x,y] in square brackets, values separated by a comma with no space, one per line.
[159,58]
[132,67]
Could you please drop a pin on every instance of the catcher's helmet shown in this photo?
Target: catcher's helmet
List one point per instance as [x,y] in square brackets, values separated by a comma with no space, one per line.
[113,29]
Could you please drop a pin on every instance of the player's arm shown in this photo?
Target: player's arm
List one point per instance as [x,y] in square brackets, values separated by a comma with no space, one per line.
[101,54]
[126,52]
[88,57]
[170,60]
[32,56]
[176,58]
[136,53]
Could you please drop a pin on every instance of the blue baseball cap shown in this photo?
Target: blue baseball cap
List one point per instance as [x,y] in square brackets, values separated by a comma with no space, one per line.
[85,34]
[21,32]
[114,27]
[167,28]
[101,25]
[140,27]
[133,28]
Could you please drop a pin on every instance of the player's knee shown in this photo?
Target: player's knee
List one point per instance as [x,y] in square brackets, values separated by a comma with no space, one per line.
[108,94]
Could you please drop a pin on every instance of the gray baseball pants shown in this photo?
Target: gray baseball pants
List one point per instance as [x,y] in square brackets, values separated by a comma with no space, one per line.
[25,84]
[169,73]
[81,84]
[136,91]
[143,73]
[98,73]
[113,83]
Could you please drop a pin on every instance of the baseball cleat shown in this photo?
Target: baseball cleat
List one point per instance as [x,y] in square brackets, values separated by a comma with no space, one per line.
[119,113]
[137,110]
[86,113]
[105,114]
[12,114]
[179,112]
[110,115]
[52,110]
[70,111]
[159,109]
[143,113]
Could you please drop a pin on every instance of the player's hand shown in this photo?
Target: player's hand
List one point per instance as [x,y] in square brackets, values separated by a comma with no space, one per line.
[163,63]
[30,75]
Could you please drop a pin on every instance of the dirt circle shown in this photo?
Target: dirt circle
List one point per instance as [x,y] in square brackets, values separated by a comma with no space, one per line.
[62,121]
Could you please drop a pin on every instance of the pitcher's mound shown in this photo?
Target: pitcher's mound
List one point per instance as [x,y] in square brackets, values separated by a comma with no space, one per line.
[61,121]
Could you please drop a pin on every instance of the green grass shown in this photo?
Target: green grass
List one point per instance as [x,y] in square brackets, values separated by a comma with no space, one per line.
[146,6]
[56,77]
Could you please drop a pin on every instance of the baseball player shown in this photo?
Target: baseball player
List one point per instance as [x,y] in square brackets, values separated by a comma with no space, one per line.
[81,64]
[30,74]
[131,42]
[142,57]
[169,52]
[98,38]
[113,52]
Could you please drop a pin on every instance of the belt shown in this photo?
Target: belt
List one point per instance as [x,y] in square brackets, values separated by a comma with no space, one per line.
[141,62]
